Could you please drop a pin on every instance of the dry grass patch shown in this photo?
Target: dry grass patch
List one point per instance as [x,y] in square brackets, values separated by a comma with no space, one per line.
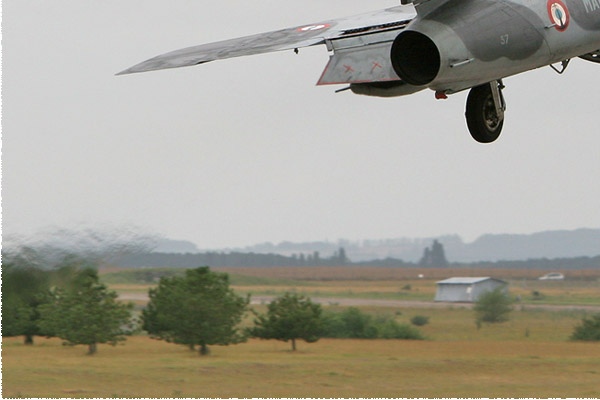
[328,368]
[363,273]
[399,290]
[580,287]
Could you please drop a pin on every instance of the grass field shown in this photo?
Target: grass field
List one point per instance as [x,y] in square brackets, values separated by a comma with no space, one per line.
[582,287]
[329,368]
[528,356]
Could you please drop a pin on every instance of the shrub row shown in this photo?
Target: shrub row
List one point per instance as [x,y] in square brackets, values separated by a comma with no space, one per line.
[352,323]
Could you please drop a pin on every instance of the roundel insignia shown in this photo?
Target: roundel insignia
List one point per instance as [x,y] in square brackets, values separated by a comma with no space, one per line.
[311,28]
[559,14]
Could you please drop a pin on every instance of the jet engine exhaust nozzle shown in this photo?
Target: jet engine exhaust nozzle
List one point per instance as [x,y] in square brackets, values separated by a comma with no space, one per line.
[415,58]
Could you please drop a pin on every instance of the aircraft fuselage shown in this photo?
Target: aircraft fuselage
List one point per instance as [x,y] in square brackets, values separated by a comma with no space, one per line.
[470,42]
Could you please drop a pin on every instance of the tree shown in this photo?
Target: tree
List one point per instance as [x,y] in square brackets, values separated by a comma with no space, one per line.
[588,330]
[288,318]
[25,287]
[493,306]
[85,312]
[434,257]
[196,309]
[340,257]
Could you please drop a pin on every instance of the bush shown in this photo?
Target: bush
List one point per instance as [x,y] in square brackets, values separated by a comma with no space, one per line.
[493,307]
[537,295]
[391,329]
[350,323]
[419,320]
[355,324]
[589,330]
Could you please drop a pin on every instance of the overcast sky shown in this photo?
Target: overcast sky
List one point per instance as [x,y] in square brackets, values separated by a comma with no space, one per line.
[249,150]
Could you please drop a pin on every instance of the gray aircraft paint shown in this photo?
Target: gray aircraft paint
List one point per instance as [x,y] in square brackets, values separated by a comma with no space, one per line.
[484,40]
[494,23]
[586,13]
[479,41]
[360,59]
[284,39]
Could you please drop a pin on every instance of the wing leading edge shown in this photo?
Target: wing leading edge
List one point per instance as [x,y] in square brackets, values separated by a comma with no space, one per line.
[285,39]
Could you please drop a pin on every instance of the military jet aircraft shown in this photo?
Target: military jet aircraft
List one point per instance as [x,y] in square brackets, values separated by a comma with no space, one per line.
[444,45]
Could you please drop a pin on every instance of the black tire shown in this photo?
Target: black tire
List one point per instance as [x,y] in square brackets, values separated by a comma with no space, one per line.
[483,121]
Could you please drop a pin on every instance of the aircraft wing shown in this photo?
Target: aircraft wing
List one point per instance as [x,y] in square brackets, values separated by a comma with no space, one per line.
[285,39]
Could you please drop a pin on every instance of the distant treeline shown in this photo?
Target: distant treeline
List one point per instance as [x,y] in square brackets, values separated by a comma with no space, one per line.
[234,259]
[540,263]
[238,259]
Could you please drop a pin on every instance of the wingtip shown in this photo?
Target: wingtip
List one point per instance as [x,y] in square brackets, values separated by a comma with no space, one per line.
[127,71]
[141,67]
[146,66]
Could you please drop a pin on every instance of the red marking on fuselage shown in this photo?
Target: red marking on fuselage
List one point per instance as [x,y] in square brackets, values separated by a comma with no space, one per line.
[559,15]
[311,28]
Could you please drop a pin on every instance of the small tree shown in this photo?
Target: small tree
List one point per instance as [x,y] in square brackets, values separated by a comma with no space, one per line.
[288,318]
[25,288]
[196,309]
[588,330]
[86,312]
[493,307]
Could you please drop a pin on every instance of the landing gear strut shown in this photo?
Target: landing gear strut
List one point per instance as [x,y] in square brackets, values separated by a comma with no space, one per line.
[485,112]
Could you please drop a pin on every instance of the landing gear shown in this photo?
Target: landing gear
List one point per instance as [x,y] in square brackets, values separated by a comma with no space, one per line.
[485,112]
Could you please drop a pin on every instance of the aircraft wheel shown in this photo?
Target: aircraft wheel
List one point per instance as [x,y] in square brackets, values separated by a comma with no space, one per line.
[485,125]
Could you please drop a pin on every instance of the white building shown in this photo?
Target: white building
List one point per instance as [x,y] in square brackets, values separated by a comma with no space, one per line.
[466,289]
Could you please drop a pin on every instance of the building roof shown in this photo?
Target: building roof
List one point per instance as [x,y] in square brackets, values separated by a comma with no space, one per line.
[466,281]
